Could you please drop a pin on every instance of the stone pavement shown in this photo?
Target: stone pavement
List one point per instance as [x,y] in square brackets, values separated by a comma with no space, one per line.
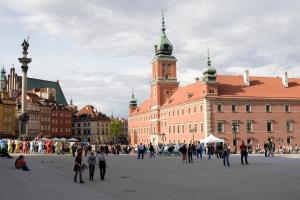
[162,178]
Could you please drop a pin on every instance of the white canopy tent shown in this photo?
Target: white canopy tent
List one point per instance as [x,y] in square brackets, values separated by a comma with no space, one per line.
[211,139]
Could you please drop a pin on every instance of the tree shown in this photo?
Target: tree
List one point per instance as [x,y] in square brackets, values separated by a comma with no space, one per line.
[115,128]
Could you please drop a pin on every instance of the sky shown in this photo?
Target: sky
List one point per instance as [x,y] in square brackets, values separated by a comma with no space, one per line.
[101,50]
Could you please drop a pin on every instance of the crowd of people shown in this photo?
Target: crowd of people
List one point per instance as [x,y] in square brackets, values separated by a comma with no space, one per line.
[96,153]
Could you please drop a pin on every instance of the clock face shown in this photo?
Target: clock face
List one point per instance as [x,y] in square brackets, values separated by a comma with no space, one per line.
[166,71]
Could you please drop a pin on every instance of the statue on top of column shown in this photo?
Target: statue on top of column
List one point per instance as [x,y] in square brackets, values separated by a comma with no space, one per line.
[25,45]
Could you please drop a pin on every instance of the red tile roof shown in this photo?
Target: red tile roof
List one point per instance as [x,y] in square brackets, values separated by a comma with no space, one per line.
[184,94]
[260,87]
[233,87]
[142,108]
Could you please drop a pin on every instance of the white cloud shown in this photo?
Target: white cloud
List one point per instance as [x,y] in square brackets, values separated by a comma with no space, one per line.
[261,35]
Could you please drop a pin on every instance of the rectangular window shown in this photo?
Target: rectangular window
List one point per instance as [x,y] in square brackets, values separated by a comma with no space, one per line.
[268,108]
[189,110]
[269,126]
[201,108]
[177,112]
[220,127]
[287,108]
[182,128]
[248,108]
[173,129]
[235,126]
[249,141]
[195,109]
[195,127]
[220,108]
[288,125]
[201,127]
[190,127]
[234,108]
[288,140]
[178,129]
[182,111]
[249,126]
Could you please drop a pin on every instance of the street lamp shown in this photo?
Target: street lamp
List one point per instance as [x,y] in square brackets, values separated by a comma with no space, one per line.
[193,130]
[235,127]
[163,137]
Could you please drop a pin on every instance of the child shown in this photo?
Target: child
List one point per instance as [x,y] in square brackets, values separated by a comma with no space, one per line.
[92,164]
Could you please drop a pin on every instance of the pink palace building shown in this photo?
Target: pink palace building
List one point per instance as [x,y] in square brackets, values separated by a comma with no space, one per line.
[234,108]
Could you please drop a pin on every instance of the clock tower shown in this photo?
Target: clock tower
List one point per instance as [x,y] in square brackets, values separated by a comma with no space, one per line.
[164,80]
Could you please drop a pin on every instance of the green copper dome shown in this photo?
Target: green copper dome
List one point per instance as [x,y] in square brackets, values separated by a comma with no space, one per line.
[210,73]
[164,47]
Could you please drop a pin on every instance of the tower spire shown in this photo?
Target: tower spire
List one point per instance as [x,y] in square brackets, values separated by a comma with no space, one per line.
[163,29]
[164,47]
[208,59]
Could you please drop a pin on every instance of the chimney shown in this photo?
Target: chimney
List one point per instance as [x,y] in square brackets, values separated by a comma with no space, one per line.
[246,77]
[285,80]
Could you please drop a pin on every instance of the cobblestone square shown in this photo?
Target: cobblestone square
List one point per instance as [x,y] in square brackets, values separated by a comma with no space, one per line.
[164,178]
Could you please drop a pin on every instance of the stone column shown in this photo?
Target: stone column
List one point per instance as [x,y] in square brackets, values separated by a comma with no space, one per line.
[24,117]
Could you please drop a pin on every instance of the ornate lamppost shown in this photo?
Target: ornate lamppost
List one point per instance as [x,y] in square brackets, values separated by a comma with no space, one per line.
[193,130]
[235,127]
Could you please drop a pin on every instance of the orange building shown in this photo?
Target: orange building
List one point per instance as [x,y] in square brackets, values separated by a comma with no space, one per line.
[235,108]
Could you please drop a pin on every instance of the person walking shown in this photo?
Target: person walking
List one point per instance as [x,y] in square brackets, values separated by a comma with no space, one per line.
[78,167]
[225,155]
[92,165]
[190,153]
[184,153]
[266,148]
[152,151]
[102,164]
[198,149]
[141,149]
[244,153]
[209,150]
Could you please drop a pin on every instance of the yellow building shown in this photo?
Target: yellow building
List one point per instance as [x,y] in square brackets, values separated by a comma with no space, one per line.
[7,110]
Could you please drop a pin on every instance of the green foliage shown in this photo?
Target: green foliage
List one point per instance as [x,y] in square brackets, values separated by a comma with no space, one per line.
[115,127]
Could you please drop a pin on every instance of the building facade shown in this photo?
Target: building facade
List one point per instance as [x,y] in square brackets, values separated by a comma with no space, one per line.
[61,120]
[7,110]
[91,125]
[234,108]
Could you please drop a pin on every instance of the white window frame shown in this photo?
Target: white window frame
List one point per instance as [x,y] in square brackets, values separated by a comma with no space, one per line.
[290,127]
[250,108]
[251,129]
[219,104]
[272,127]
[269,107]
[222,127]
